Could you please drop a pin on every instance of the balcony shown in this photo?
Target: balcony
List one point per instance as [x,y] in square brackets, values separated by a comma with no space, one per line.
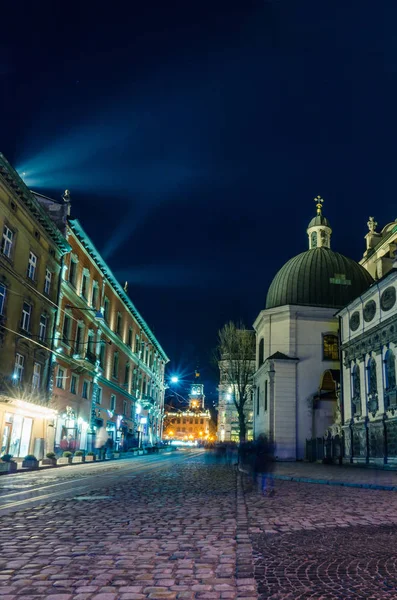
[91,357]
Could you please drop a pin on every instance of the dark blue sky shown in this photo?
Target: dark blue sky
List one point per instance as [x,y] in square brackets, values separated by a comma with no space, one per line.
[194,136]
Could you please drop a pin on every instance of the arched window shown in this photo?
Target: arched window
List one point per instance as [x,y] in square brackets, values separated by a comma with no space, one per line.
[356,390]
[261,352]
[314,239]
[330,347]
[390,370]
[372,379]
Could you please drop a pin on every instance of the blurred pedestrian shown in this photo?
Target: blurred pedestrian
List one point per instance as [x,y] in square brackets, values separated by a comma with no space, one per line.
[100,442]
[264,464]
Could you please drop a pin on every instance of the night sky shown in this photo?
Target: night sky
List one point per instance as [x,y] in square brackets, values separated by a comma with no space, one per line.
[193,137]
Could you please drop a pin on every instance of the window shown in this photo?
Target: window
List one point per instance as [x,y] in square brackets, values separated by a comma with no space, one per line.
[201,421]
[94,297]
[99,395]
[79,339]
[102,354]
[43,327]
[261,352]
[356,391]
[330,347]
[390,370]
[115,371]
[265,395]
[7,241]
[118,324]
[372,386]
[91,342]
[137,344]
[18,369]
[47,282]
[66,329]
[32,265]
[36,376]
[257,400]
[84,286]
[125,407]
[73,384]
[26,314]
[73,272]
[129,341]
[132,411]
[112,402]
[86,387]
[127,374]
[106,306]
[3,294]
[314,239]
[60,378]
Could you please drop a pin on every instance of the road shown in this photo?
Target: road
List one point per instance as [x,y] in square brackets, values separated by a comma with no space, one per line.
[179,527]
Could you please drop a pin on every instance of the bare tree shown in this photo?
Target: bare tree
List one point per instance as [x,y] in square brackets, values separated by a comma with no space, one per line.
[235,355]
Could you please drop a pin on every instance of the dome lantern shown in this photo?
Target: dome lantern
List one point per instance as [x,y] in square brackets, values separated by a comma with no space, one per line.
[319,230]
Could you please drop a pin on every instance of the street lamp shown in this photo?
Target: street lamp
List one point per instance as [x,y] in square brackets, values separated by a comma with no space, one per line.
[174,379]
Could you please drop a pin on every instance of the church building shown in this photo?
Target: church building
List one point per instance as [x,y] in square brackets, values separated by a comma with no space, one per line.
[297,342]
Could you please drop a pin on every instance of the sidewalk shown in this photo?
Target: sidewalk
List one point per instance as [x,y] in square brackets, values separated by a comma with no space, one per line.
[344,475]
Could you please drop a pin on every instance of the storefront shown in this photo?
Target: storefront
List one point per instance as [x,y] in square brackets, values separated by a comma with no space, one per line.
[26,428]
[71,432]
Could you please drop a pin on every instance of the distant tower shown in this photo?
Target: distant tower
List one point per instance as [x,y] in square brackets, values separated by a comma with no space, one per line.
[196,394]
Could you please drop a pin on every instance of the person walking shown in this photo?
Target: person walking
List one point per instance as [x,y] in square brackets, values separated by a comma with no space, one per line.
[100,442]
[264,464]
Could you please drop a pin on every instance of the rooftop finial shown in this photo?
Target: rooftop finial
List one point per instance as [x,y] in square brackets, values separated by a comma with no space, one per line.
[319,204]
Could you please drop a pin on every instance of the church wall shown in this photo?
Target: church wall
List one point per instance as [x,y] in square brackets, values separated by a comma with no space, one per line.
[310,327]
[285,409]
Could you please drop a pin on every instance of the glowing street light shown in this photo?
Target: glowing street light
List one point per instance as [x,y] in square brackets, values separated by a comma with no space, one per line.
[174,379]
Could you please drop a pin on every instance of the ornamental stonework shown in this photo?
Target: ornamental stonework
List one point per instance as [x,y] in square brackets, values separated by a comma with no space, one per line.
[388,298]
[355,321]
[369,311]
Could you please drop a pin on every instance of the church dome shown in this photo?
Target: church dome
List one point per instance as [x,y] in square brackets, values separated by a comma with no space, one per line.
[319,220]
[318,277]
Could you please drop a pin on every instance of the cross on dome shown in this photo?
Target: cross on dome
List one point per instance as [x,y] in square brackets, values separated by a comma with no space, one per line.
[319,204]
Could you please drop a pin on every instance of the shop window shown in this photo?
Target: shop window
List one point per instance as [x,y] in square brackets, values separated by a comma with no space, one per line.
[113,402]
[73,384]
[43,328]
[17,434]
[7,241]
[18,369]
[330,347]
[60,378]
[47,281]
[36,376]
[26,315]
[32,266]
[3,296]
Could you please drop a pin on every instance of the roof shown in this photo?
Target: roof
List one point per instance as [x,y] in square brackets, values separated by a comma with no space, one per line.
[93,252]
[318,277]
[319,220]
[19,188]
[280,356]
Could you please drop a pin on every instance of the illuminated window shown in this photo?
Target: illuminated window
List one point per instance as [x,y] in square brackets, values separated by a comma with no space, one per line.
[18,369]
[3,294]
[7,241]
[36,376]
[47,281]
[60,378]
[32,266]
[330,347]
[43,327]
[26,314]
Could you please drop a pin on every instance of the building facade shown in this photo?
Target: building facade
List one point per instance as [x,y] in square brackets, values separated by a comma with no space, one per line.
[297,353]
[190,425]
[32,255]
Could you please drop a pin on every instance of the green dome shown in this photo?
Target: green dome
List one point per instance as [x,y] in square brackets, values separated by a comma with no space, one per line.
[319,220]
[318,277]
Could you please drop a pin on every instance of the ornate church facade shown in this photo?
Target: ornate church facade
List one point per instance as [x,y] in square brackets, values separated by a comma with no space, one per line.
[369,349]
[297,352]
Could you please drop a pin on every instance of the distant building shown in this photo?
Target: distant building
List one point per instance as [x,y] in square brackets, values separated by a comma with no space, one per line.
[192,424]
[32,254]
[228,427]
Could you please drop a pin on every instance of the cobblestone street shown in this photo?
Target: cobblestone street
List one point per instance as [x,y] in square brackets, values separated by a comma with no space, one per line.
[195,529]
